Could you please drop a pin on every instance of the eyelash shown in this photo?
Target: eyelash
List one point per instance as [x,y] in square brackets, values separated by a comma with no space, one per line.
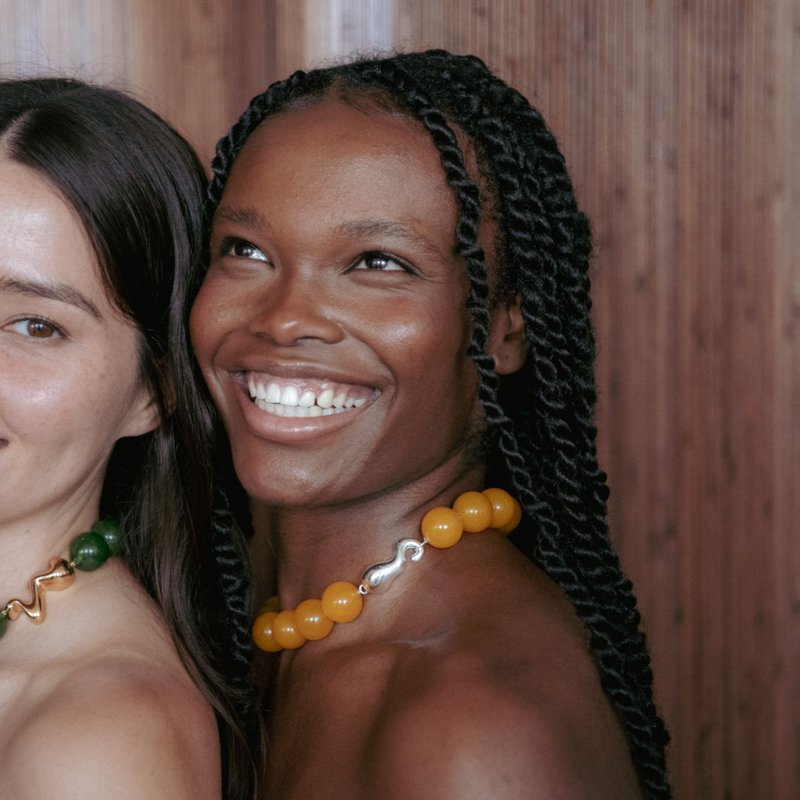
[58,331]
[230,243]
[379,254]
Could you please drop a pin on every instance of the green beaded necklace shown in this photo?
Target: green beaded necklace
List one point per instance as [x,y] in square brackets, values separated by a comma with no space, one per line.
[88,552]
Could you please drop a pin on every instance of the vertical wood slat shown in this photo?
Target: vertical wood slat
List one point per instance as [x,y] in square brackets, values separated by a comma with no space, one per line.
[319,32]
[197,62]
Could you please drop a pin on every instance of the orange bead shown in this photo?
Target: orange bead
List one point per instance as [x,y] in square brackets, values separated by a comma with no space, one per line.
[475,511]
[342,602]
[509,526]
[442,527]
[502,507]
[273,604]
[262,632]
[284,631]
[312,621]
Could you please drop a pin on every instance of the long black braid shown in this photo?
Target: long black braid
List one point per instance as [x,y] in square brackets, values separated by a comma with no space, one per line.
[541,421]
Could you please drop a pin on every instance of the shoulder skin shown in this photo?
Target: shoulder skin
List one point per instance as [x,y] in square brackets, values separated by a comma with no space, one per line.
[116,729]
[475,738]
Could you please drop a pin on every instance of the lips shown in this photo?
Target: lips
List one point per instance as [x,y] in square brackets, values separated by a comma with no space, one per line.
[305,396]
[311,403]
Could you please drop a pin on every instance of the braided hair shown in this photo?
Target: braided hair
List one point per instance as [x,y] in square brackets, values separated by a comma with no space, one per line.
[540,421]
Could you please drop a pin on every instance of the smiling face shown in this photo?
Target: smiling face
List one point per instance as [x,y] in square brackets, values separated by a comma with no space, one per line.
[69,363]
[331,327]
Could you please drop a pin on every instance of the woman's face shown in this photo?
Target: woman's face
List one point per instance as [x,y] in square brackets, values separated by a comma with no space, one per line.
[69,362]
[331,327]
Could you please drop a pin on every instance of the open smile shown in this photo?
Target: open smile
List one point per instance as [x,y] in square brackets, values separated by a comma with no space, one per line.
[305,397]
[298,408]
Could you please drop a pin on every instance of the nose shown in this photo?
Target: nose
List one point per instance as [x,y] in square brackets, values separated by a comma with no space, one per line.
[292,310]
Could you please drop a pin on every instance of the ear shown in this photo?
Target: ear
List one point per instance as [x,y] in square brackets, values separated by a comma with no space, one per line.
[508,344]
[144,415]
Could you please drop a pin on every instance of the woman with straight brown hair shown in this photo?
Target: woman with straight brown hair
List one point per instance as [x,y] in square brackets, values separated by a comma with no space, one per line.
[108,687]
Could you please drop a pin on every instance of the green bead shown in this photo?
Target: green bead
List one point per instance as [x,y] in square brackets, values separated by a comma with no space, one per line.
[108,528]
[89,551]
[2,625]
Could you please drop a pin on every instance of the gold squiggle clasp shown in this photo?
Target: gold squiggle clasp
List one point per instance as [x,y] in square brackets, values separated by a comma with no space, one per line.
[61,574]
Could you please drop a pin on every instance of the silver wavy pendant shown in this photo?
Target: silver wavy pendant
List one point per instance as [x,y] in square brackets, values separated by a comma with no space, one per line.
[378,577]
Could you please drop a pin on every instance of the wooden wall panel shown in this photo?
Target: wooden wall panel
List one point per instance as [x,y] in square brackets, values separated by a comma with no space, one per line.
[317,32]
[197,62]
[679,121]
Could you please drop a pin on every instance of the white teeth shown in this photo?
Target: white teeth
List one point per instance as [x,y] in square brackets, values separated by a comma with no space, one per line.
[287,401]
[290,397]
[307,399]
[273,393]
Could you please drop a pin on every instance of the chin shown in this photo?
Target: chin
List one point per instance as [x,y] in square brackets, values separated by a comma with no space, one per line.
[274,483]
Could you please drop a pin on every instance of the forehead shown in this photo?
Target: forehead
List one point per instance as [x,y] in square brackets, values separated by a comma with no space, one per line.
[39,227]
[333,158]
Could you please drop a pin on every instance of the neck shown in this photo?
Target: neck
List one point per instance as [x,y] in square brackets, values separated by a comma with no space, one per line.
[313,547]
[30,541]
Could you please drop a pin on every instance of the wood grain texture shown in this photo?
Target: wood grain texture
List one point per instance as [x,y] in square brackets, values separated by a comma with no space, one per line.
[318,32]
[679,120]
[196,62]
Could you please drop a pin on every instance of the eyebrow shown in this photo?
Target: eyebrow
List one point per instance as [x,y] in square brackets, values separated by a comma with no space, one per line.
[251,218]
[378,227]
[51,291]
[248,217]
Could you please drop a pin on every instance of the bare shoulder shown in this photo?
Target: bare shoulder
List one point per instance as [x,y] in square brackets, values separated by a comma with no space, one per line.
[117,727]
[476,736]
[509,704]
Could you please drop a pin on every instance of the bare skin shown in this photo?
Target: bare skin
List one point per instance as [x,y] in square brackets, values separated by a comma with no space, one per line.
[94,702]
[332,262]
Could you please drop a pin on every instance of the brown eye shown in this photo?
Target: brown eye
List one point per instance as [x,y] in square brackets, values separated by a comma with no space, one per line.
[378,262]
[36,329]
[40,329]
[243,249]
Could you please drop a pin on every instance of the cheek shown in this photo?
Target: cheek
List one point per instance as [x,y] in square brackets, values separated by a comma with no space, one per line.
[430,338]
[68,404]
[427,350]
[213,312]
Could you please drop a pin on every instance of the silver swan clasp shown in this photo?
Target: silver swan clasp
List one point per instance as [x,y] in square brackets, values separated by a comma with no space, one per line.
[377,578]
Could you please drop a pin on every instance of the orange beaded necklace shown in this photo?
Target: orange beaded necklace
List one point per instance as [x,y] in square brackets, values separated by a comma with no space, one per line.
[442,527]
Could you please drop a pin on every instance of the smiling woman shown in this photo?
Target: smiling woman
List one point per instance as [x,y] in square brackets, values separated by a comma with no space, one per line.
[396,314]
[114,695]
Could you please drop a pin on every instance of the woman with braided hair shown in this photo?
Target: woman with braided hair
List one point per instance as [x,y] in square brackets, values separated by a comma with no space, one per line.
[395,321]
